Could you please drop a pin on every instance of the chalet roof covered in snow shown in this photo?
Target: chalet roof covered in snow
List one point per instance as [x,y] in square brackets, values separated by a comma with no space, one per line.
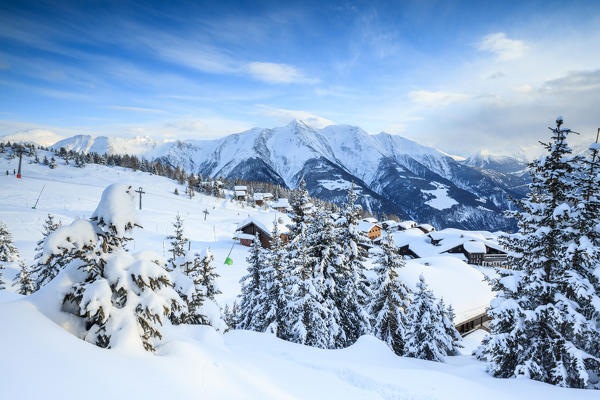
[265,222]
[281,203]
[365,226]
[439,242]
[407,224]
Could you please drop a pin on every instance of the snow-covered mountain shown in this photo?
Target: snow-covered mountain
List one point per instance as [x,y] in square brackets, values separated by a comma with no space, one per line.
[40,137]
[510,171]
[141,146]
[394,175]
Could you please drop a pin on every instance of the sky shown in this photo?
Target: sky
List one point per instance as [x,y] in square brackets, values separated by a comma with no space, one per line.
[461,76]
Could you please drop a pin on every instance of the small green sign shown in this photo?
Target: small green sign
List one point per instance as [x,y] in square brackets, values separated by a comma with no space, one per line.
[228,261]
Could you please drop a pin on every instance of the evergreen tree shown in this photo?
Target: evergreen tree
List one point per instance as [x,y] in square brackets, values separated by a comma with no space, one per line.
[42,271]
[391,298]
[447,314]
[585,251]
[351,282]
[177,243]
[231,315]
[273,290]
[426,337]
[306,311]
[24,280]
[207,274]
[8,251]
[542,316]
[248,317]
[118,294]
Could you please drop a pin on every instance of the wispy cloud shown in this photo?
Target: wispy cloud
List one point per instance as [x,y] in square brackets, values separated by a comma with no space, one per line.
[277,73]
[282,115]
[436,99]
[137,109]
[502,47]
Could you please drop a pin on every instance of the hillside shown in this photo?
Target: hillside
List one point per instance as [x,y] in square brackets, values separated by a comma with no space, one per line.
[196,360]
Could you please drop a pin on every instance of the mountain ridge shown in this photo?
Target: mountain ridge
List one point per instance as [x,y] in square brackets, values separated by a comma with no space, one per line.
[393,174]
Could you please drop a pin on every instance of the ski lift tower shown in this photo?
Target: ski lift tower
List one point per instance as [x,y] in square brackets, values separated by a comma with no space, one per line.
[20,154]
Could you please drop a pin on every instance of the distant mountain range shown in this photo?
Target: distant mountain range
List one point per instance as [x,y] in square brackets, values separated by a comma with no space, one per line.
[394,175]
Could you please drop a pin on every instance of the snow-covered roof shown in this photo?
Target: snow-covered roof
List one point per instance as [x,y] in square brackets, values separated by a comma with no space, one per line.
[371,220]
[474,246]
[458,283]
[281,203]
[242,235]
[427,227]
[407,224]
[265,222]
[262,196]
[240,193]
[365,226]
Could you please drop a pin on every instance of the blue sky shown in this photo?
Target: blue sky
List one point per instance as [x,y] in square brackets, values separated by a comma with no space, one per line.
[458,75]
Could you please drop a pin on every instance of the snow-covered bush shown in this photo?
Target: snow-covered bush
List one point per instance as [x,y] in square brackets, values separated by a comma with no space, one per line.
[123,300]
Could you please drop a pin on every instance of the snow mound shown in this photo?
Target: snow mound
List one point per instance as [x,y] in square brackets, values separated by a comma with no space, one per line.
[458,283]
[117,208]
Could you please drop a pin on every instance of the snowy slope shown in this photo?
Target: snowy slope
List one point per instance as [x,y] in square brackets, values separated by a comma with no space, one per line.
[196,361]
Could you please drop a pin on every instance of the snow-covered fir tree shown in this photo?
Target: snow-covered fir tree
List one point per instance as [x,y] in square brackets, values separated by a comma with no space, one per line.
[120,297]
[8,251]
[273,295]
[207,274]
[542,319]
[447,314]
[230,315]
[307,312]
[351,283]
[391,298]
[44,272]
[587,226]
[178,259]
[248,318]
[426,337]
[24,280]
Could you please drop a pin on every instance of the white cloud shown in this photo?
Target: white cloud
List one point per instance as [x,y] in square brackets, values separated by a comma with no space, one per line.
[436,99]
[281,115]
[277,73]
[504,48]
[137,109]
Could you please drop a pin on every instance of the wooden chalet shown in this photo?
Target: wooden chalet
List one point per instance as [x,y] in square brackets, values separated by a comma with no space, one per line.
[426,228]
[249,228]
[406,225]
[480,253]
[261,198]
[281,205]
[240,192]
[373,231]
